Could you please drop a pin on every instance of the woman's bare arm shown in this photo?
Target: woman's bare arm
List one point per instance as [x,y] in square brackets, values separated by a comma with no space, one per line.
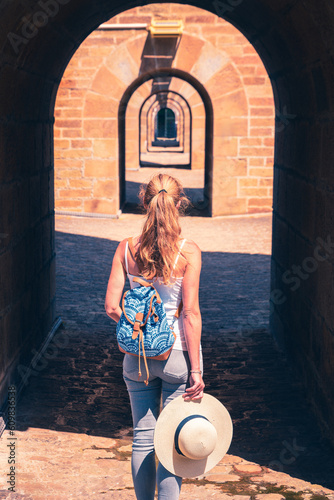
[116,284]
[192,321]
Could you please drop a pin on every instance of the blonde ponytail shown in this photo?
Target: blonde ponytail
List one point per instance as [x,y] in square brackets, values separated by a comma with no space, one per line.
[162,199]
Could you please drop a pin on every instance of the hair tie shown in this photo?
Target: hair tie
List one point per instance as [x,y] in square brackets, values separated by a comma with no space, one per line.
[162,190]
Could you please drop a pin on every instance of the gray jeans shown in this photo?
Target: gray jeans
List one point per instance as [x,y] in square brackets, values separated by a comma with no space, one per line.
[168,380]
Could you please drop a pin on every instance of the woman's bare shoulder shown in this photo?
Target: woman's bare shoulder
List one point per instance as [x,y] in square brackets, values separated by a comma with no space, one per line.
[192,252]
[122,244]
[135,241]
[191,247]
[120,250]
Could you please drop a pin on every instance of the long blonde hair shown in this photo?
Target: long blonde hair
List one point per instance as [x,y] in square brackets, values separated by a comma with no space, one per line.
[159,238]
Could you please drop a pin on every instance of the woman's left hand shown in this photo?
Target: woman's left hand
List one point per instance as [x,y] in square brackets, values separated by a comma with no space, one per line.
[195,391]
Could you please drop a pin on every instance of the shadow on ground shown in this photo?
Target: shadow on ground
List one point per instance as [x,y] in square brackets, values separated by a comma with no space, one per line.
[78,386]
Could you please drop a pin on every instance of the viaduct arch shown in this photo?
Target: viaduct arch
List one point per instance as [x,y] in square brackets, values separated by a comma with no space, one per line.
[170,72]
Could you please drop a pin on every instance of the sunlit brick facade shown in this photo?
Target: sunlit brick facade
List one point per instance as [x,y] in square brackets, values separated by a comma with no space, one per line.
[212,51]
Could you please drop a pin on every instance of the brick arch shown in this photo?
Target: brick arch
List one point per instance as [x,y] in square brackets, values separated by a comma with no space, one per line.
[242,172]
[133,139]
[180,106]
[201,91]
[294,40]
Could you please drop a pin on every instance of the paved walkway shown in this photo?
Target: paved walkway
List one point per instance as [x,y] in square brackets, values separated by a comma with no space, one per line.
[74,423]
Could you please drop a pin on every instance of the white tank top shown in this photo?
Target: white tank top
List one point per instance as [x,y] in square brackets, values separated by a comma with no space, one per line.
[171,297]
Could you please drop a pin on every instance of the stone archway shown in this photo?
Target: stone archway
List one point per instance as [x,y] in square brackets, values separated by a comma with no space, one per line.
[86,155]
[209,126]
[147,120]
[294,40]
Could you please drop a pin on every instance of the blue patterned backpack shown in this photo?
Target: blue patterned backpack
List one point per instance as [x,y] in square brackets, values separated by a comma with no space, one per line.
[143,329]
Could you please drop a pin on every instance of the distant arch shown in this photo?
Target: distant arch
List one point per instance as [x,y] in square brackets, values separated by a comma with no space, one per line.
[208,159]
[165,126]
[182,110]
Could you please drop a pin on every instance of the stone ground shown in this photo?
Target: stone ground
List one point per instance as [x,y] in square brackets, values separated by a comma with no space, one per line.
[73,419]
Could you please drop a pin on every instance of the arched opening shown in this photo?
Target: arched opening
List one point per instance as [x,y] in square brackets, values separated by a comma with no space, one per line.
[148,127]
[166,125]
[206,206]
[243,126]
[165,130]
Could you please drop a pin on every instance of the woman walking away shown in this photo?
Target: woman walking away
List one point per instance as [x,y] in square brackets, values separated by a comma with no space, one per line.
[160,256]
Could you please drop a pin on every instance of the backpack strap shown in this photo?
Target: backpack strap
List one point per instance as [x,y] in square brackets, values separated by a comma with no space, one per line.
[142,282]
[140,321]
[141,340]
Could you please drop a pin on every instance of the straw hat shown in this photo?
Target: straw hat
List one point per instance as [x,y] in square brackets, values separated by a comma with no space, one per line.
[191,437]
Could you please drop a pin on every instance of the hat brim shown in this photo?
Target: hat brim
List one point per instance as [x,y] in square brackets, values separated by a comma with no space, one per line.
[167,424]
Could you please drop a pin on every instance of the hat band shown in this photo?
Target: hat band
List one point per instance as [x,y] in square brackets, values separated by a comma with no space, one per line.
[179,428]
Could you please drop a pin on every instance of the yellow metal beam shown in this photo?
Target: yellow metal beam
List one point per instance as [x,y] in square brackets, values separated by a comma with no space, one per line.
[165,28]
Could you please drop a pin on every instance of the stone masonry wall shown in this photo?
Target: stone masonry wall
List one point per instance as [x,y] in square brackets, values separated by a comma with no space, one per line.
[107,62]
[27,248]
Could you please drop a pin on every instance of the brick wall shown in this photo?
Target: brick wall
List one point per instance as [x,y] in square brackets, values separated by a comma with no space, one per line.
[212,50]
[27,247]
